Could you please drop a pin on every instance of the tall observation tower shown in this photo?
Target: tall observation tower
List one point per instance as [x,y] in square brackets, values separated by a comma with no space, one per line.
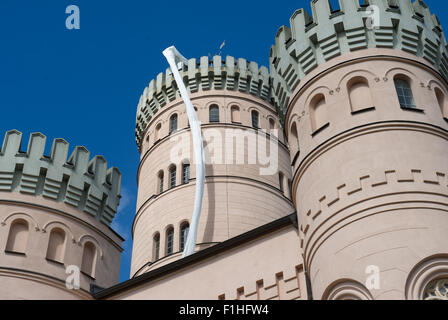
[364,94]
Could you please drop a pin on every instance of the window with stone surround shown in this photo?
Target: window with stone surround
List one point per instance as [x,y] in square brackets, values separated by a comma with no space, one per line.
[404,92]
[318,110]
[18,237]
[255,119]
[173,173]
[186,173]
[235,113]
[89,259]
[436,290]
[56,245]
[359,94]
[173,123]
[156,247]
[184,229]
[214,114]
[170,241]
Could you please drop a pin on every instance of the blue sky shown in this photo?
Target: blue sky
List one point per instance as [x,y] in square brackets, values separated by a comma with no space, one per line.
[84,85]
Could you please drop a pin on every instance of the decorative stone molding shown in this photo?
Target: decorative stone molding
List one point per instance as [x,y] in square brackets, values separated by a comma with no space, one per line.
[437,290]
[372,180]
[428,279]
[216,74]
[313,40]
[87,185]
[347,290]
[284,285]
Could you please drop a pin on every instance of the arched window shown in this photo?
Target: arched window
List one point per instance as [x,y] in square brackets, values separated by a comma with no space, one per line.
[294,139]
[271,124]
[18,237]
[160,176]
[280,181]
[56,245]
[441,99]
[157,132]
[186,173]
[156,247]
[169,241]
[255,119]
[359,93]
[436,290]
[319,117]
[236,118]
[184,229]
[173,176]
[214,114]
[173,123]
[89,259]
[347,289]
[404,92]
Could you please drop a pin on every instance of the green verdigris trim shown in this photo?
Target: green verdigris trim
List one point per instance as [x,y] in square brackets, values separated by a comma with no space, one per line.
[314,40]
[87,185]
[204,75]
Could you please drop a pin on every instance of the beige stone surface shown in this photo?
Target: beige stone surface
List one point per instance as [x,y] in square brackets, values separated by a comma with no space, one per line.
[371,186]
[236,198]
[33,267]
[244,272]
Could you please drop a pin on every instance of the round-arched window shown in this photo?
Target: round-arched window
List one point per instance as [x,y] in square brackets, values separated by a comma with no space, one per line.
[436,290]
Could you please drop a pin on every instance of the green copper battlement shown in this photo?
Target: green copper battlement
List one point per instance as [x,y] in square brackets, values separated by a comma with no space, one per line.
[87,185]
[314,40]
[203,75]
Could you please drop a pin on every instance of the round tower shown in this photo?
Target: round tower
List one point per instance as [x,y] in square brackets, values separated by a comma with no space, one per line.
[248,166]
[55,220]
[364,94]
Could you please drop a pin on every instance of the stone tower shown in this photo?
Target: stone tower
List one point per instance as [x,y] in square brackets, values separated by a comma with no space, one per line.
[55,216]
[232,100]
[364,95]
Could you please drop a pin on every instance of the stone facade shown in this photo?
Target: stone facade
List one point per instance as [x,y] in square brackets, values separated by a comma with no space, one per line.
[356,112]
[54,215]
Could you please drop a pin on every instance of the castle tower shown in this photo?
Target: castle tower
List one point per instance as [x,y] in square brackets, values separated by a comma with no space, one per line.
[365,109]
[55,220]
[242,191]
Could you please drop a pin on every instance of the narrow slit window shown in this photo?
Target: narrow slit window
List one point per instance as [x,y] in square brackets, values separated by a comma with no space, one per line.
[186,173]
[161,182]
[184,235]
[170,241]
[173,123]
[156,248]
[255,119]
[173,177]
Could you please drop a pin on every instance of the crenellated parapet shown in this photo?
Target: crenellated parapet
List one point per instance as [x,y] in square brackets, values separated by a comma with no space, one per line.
[202,75]
[313,40]
[80,182]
